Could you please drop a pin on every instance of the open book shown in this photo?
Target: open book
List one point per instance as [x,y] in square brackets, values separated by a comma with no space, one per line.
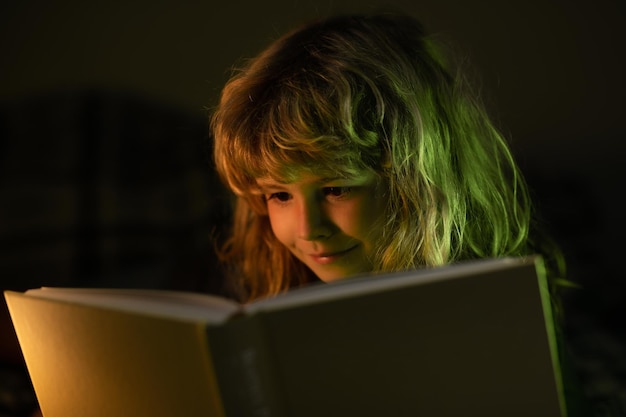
[471,339]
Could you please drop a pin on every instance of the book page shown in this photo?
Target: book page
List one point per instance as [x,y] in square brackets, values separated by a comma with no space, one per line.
[173,304]
[366,284]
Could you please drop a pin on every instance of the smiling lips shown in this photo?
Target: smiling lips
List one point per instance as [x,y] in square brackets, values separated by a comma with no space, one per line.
[329,257]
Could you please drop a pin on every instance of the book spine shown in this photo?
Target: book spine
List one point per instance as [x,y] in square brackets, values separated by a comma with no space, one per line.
[245,369]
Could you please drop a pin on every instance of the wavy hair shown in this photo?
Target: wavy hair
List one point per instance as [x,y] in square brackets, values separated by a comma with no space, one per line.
[374,93]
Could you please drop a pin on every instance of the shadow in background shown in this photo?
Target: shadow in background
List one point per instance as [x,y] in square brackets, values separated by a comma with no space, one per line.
[106,189]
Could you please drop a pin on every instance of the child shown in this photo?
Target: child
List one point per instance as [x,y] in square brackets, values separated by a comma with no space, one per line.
[352,146]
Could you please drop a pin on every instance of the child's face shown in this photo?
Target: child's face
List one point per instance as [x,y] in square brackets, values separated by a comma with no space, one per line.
[330,224]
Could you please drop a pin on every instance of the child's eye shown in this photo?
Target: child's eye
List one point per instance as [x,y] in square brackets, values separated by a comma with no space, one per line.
[337,192]
[279,196]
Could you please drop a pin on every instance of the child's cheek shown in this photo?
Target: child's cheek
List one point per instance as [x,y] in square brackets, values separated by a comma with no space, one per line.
[280,222]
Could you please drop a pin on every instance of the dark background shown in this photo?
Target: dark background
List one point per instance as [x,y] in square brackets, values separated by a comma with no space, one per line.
[104,171]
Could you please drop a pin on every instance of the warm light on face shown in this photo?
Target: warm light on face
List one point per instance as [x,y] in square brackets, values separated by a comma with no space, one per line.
[330,224]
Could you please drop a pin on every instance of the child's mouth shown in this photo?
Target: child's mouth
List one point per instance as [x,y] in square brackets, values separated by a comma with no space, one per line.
[324,258]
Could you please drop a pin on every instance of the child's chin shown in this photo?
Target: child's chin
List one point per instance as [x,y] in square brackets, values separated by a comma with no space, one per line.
[335,276]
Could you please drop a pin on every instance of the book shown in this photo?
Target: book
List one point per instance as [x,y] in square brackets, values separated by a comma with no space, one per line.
[470,339]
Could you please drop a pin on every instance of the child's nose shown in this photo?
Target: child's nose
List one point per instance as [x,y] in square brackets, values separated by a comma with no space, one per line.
[312,222]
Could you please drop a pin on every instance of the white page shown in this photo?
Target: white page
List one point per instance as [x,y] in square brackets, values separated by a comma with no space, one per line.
[173,304]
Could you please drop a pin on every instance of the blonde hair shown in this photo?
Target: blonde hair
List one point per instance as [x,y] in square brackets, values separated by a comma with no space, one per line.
[371,93]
